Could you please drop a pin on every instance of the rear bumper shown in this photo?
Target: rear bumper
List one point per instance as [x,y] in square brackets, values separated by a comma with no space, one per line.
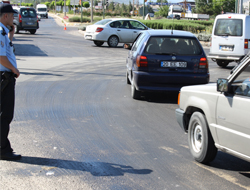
[146,81]
[95,36]
[225,57]
[179,114]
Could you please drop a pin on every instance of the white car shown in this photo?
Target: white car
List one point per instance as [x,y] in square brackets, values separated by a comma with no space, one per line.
[114,31]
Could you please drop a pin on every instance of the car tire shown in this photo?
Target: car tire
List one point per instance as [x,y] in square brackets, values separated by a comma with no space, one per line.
[16,29]
[98,43]
[33,31]
[200,140]
[222,63]
[113,41]
[135,93]
[128,81]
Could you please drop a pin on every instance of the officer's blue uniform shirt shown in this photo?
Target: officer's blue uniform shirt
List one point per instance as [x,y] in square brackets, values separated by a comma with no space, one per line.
[5,48]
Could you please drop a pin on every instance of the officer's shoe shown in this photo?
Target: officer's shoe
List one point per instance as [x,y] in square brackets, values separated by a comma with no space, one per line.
[10,156]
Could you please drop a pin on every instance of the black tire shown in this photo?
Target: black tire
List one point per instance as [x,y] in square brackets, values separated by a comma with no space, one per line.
[113,41]
[128,81]
[135,93]
[16,29]
[33,31]
[200,141]
[222,63]
[98,43]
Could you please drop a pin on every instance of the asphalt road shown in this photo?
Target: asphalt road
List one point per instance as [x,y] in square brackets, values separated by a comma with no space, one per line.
[77,126]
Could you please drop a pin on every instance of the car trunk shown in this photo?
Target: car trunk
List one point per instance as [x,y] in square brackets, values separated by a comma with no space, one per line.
[29,18]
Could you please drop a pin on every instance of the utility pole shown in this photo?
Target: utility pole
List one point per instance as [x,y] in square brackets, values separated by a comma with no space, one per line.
[103,8]
[64,7]
[143,9]
[91,11]
[133,6]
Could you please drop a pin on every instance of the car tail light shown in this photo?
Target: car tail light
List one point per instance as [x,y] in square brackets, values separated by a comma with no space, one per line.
[203,63]
[20,18]
[246,43]
[99,29]
[141,61]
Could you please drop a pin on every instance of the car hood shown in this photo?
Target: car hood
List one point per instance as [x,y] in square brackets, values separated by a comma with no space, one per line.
[204,88]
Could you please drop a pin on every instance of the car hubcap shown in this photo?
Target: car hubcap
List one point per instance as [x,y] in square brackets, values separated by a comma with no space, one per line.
[197,139]
[113,41]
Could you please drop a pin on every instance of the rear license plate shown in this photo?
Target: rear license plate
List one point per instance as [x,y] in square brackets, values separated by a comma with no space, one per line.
[29,23]
[88,37]
[226,48]
[173,64]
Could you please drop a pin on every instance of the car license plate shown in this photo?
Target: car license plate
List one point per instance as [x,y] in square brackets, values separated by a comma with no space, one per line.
[226,48]
[173,64]
[29,23]
[88,37]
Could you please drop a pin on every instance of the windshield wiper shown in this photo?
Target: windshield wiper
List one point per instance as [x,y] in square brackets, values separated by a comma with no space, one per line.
[225,34]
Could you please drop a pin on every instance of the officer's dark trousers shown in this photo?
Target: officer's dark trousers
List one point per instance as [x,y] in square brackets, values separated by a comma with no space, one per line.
[7,112]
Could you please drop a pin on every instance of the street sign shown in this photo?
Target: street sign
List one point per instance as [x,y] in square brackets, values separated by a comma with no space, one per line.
[136,12]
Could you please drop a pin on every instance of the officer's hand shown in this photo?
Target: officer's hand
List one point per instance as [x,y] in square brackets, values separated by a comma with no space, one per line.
[11,33]
[16,71]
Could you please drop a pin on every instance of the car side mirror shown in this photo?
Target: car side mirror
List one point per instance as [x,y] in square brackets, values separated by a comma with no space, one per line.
[127,46]
[222,85]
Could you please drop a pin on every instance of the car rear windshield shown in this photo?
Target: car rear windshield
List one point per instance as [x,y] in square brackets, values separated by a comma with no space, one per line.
[42,9]
[28,13]
[228,27]
[173,45]
[102,22]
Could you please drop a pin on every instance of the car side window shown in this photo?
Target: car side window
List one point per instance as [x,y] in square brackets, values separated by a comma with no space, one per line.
[126,24]
[115,24]
[137,25]
[137,42]
[242,83]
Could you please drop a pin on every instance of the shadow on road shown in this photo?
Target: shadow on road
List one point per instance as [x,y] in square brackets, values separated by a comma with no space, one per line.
[95,168]
[160,97]
[30,50]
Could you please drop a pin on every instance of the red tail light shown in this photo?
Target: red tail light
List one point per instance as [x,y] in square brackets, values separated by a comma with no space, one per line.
[99,29]
[20,18]
[203,63]
[141,61]
[246,43]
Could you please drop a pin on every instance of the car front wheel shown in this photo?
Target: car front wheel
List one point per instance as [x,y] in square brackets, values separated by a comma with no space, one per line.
[200,139]
[113,41]
[98,43]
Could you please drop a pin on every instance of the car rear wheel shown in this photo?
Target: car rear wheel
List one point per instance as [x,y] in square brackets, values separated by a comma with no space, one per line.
[98,43]
[113,41]
[16,29]
[33,31]
[222,63]
[135,93]
[200,139]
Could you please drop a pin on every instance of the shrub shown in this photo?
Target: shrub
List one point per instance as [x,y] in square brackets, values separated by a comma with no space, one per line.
[78,19]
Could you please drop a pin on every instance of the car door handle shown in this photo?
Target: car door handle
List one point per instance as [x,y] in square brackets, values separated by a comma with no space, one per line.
[118,30]
[135,32]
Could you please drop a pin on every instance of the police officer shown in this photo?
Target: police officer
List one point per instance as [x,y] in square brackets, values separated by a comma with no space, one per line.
[8,72]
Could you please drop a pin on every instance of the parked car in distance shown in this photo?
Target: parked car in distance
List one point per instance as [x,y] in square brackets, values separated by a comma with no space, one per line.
[216,116]
[165,60]
[114,31]
[173,16]
[230,38]
[26,19]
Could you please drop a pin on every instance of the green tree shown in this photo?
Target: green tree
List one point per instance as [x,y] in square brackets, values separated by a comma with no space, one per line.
[130,7]
[124,8]
[47,4]
[111,6]
[204,7]
[163,11]
[95,2]
[86,4]
[220,6]
[163,1]
[117,8]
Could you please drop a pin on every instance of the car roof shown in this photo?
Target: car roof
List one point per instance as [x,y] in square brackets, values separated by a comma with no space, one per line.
[232,15]
[122,19]
[169,32]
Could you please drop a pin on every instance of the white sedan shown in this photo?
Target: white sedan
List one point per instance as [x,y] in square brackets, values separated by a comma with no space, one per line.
[114,31]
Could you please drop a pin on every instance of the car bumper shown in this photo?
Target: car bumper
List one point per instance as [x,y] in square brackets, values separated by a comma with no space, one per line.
[95,36]
[225,57]
[179,114]
[145,81]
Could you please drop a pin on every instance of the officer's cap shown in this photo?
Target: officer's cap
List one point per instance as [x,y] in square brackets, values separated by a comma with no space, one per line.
[6,8]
